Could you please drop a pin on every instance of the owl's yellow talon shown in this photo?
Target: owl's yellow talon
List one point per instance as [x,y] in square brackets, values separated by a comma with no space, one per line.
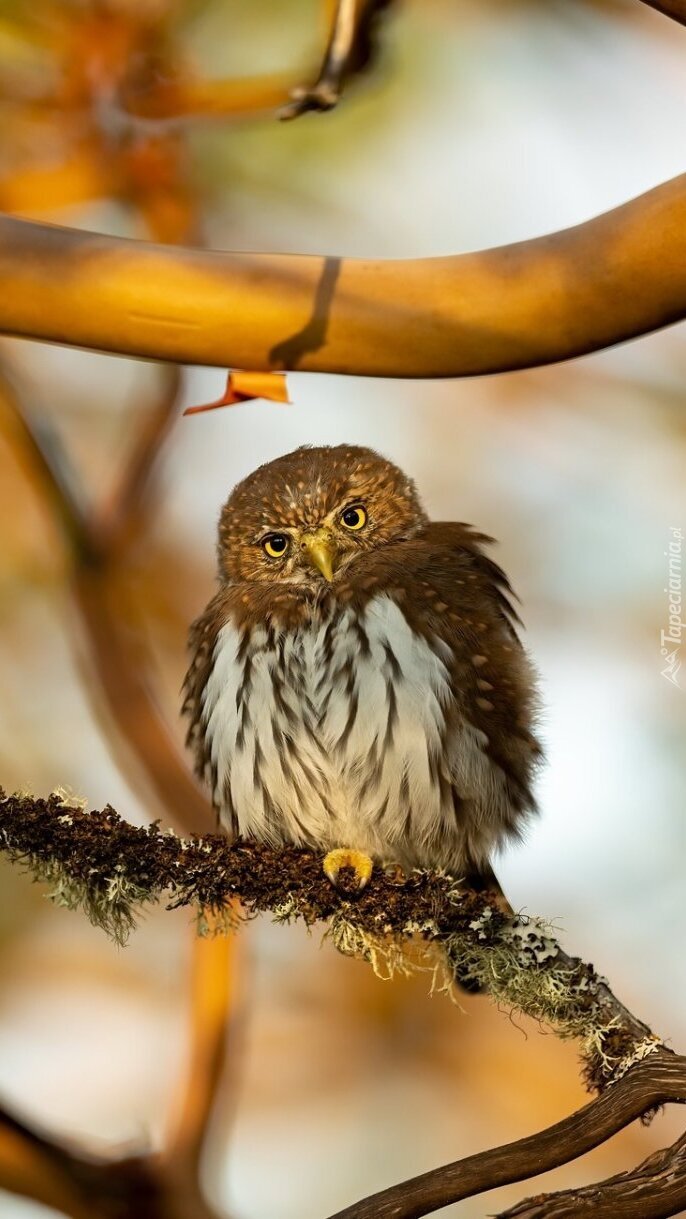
[349,871]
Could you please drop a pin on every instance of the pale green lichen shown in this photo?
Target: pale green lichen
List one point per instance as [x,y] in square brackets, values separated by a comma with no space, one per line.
[287,911]
[114,906]
[519,972]
[521,967]
[391,956]
[66,798]
[643,1049]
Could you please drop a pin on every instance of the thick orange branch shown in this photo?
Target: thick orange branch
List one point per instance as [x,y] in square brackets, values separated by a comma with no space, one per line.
[223,99]
[620,275]
[213,1004]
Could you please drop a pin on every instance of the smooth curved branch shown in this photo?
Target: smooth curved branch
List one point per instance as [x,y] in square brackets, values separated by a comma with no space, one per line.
[613,278]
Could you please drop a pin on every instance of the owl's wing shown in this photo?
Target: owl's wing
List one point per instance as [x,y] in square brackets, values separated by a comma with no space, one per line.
[202,638]
[465,546]
[491,669]
[452,593]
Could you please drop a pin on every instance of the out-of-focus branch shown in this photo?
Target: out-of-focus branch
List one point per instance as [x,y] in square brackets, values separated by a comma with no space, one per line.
[63,491]
[33,1166]
[99,539]
[111,637]
[351,48]
[195,99]
[212,999]
[615,277]
[115,650]
[145,166]
[120,520]
[75,1182]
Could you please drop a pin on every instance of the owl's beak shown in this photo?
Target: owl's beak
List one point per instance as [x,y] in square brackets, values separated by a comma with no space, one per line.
[320,549]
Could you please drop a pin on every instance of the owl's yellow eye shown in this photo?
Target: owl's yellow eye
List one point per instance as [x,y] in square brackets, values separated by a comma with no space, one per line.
[354,518]
[275,545]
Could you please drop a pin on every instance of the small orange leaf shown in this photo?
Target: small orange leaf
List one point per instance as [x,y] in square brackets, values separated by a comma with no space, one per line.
[244,387]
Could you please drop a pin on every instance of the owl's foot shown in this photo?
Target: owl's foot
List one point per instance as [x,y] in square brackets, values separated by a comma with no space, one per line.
[349,871]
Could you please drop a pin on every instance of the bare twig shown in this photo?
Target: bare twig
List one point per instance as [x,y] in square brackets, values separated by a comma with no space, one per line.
[350,49]
[585,288]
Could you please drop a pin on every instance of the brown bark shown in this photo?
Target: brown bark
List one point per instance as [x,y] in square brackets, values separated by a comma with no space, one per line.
[654,1190]
[676,9]
[657,1080]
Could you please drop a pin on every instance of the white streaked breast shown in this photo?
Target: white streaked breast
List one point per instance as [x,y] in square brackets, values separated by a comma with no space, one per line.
[325,734]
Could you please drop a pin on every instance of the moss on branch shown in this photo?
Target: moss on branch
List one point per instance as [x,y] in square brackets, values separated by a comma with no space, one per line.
[111,870]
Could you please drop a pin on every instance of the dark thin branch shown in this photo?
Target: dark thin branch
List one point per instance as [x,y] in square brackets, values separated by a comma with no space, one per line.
[676,9]
[657,1080]
[352,47]
[654,1190]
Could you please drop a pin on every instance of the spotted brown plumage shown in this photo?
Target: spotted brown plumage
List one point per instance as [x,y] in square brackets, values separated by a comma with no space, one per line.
[357,680]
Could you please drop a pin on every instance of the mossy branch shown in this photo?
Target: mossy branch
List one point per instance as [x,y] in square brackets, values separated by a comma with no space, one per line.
[111,870]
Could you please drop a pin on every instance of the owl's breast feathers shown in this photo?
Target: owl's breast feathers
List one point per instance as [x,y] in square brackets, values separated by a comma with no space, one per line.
[393,712]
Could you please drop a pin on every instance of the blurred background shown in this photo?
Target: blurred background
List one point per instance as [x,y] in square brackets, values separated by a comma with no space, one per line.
[483,122]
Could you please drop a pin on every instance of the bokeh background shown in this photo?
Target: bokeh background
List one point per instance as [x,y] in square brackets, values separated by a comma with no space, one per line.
[483,122]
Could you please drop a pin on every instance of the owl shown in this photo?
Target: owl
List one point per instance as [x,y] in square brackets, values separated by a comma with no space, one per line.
[357,684]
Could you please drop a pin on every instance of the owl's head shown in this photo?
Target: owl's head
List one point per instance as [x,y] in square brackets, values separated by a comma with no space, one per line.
[305,517]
